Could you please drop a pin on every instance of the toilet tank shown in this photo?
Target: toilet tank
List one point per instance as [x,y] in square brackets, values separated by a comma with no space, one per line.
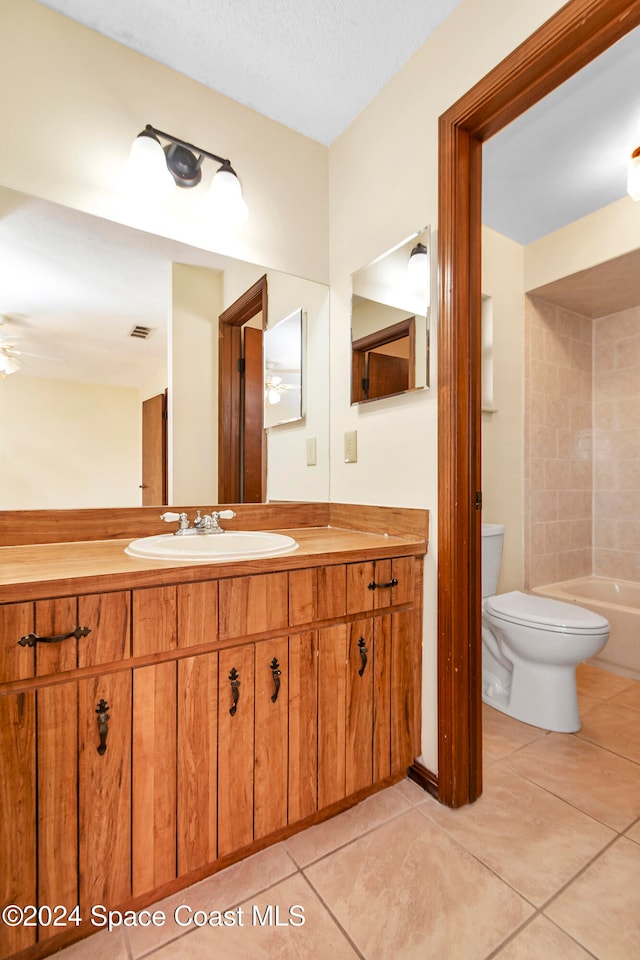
[492,538]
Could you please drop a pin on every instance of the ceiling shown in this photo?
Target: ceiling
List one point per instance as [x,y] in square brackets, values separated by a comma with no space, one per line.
[318,68]
[314,67]
[311,66]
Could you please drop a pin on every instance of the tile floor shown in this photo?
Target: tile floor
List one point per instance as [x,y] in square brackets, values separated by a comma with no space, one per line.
[545,865]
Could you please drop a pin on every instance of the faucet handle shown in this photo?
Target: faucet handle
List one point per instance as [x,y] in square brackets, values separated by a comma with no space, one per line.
[226,515]
[170,517]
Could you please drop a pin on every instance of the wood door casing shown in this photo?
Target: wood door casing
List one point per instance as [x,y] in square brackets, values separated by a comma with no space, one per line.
[575,35]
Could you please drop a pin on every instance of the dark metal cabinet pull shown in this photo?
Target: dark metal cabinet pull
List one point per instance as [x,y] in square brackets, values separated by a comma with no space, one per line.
[276,672]
[103,729]
[363,655]
[382,586]
[235,690]
[31,639]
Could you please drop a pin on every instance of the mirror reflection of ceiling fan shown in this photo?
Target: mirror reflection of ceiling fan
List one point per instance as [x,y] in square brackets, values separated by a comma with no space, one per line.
[9,352]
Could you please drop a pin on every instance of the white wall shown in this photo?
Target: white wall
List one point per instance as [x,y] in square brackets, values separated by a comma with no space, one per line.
[610,232]
[383,187]
[196,303]
[503,430]
[68,445]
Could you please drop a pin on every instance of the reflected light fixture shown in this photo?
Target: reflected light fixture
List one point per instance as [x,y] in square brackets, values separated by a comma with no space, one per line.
[8,363]
[273,388]
[418,262]
[633,175]
[157,169]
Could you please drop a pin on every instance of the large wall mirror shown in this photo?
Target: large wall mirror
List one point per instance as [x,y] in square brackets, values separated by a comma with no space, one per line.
[390,322]
[103,327]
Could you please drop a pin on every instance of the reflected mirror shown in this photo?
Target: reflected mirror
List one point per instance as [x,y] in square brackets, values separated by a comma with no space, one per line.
[96,319]
[390,322]
[283,361]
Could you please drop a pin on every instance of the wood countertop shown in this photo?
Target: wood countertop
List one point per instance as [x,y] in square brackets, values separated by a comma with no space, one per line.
[44,570]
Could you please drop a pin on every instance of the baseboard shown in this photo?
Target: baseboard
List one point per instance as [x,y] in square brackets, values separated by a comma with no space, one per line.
[425,778]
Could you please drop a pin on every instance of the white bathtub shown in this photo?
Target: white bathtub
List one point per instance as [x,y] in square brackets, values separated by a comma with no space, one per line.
[619,602]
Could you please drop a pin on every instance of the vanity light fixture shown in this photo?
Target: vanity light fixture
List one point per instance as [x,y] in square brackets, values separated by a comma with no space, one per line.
[633,175]
[159,168]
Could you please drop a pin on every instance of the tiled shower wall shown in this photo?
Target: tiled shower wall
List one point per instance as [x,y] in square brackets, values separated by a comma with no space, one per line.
[582,444]
[616,410]
[558,444]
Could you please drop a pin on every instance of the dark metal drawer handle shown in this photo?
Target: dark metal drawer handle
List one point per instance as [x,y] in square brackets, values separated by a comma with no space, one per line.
[235,691]
[382,586]
[363,655]
[276,672]
[103,729]
[31,639]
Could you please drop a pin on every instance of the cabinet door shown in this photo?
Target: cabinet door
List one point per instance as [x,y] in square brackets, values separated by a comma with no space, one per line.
[332,660]
[271,736]
[197,761]
[57,738]
[153,813]
[405,687]
[154,741]
[104,789]
[17,814]
[359,706]
[368,738]
[303,725]
[235,748]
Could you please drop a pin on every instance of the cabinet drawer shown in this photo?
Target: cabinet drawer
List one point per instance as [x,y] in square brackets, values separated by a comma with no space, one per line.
[249,605]
[319,593]
[38,639]
[381,583]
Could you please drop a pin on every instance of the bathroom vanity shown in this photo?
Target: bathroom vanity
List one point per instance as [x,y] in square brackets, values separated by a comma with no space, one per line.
[161,720]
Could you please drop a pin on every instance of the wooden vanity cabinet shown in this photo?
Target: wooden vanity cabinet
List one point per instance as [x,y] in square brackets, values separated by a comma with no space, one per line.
[194,721]
[65,810]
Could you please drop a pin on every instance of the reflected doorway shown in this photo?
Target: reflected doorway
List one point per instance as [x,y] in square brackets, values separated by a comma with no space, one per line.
[154,451]
[241,443]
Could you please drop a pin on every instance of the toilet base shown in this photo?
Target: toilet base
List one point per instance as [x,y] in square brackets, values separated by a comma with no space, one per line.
[540,697]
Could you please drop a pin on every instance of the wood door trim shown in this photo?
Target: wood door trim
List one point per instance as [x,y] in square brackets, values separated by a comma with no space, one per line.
[231,320]
[574,36]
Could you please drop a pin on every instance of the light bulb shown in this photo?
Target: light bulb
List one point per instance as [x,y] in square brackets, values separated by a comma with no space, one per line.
[146,173]
[225,197]
[633,175]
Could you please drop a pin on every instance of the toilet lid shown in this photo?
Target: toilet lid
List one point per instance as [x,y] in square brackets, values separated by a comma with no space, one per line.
[541,612]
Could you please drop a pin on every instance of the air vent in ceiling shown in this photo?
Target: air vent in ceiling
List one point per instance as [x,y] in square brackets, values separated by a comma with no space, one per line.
[140,332]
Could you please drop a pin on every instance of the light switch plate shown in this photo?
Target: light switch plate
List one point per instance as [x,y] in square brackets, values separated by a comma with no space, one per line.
[351,446]
[311,452]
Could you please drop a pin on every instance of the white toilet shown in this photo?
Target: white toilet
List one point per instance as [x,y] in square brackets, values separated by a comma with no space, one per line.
[531,647]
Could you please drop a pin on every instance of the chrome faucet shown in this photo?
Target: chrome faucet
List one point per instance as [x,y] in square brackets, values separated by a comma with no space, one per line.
[209,523]
[206,524]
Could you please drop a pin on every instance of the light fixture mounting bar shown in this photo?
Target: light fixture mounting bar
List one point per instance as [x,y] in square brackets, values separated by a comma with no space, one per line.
[187,146]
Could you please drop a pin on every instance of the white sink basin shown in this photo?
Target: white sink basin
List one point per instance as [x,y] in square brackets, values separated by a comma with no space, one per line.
[230,545]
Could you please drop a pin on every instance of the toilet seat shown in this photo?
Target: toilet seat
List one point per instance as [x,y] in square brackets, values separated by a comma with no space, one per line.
[541,613]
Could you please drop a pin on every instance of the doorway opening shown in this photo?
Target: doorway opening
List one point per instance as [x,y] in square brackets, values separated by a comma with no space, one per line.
[579,32]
